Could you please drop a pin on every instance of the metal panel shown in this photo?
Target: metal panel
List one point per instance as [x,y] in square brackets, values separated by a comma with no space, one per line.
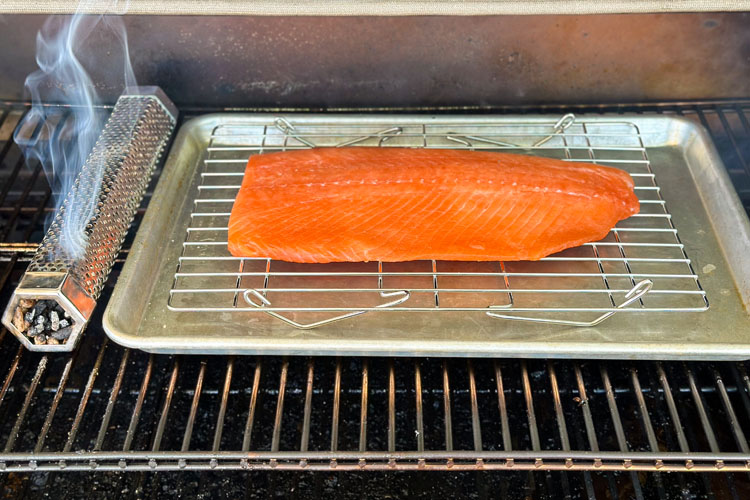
[329,62]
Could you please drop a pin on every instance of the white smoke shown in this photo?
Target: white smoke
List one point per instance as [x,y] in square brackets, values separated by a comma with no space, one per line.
[63,79]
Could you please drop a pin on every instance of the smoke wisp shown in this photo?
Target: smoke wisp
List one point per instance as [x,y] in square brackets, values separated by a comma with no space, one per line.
[62,78]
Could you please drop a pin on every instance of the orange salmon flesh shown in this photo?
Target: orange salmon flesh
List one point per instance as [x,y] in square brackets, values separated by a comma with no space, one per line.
[396,204]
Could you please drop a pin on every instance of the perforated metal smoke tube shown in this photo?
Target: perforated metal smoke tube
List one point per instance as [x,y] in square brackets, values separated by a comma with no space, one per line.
[63,290]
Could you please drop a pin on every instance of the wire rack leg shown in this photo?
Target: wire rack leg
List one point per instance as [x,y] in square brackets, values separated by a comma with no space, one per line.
[403,296]
[635,294]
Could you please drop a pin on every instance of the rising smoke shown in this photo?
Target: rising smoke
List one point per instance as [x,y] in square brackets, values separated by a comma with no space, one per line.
[62,78]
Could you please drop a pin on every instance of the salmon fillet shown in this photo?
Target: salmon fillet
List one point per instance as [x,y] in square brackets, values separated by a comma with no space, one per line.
[396,204]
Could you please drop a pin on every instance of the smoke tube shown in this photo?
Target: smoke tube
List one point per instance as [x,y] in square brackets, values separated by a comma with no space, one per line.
[56,296]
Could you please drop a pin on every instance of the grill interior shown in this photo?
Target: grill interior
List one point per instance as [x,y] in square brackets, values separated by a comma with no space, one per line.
[580,429]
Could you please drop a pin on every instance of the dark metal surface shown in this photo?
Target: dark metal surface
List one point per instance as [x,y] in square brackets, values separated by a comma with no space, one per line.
[410,61]
[563,429]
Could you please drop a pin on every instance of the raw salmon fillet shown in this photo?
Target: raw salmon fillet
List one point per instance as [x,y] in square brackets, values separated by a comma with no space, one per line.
[396,204]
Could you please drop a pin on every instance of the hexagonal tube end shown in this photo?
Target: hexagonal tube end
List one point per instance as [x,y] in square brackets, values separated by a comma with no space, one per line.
[48,312]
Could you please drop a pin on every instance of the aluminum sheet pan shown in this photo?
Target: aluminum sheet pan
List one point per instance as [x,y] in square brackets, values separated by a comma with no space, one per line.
[152,309]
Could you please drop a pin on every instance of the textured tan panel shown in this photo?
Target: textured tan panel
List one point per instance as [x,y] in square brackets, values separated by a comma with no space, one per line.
[379,7]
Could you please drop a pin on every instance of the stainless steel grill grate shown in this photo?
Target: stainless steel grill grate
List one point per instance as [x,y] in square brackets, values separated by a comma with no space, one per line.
[594,278]
[109,408]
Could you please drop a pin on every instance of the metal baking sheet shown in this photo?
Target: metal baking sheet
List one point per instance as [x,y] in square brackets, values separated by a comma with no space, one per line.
[181,292]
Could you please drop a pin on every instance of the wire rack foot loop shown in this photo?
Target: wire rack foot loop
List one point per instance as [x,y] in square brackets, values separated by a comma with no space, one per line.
[635,294]
[402,296]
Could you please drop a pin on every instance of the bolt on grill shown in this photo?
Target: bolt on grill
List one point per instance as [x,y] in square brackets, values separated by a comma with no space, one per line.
[105,407]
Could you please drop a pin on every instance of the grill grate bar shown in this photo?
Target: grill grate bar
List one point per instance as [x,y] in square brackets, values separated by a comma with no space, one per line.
[337,407]
[85,398]
[167,404]
[223,406]
[729,133]
[742,385]
[502,407]
[113,393]
[10,224]
[645,418]
[448,423]
[559,414]
[739,436]
[36,130]
[193,408]
[41,367]
[246,439]
[138,405]
[584,404]
[391,407]
[363,404]
[420,419]
[11,371]
[530,413]
[699,402]
[614,412]
[455,466]
[619,431]
[19,163]
[53,407]
[675,416]
[647,426]
[279,406]
[475,423]
[308,406]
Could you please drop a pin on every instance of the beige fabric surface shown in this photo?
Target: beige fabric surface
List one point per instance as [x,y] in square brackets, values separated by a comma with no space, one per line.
[378,8]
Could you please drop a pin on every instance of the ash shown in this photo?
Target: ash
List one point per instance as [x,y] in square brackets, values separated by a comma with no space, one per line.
[44,321]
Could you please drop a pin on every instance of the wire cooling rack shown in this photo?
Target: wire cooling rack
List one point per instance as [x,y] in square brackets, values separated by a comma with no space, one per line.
[640,266]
